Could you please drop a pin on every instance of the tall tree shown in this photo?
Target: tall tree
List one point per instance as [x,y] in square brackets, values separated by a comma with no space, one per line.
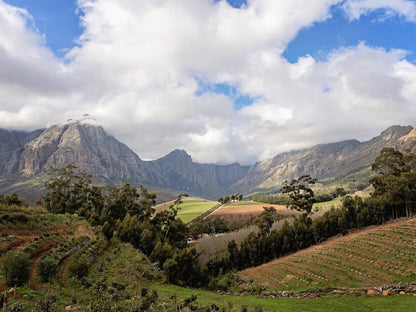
[300,194]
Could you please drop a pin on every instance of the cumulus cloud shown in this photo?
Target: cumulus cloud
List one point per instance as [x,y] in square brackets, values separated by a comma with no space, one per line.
[139,64]
[403,8]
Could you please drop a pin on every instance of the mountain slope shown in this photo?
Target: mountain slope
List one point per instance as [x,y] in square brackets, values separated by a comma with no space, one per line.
[27,157]
[335,162]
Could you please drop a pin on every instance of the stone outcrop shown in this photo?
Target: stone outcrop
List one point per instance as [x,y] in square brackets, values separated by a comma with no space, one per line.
[92,150]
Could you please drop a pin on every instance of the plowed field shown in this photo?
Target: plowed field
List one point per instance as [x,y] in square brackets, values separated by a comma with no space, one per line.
[377,256]
[245,212]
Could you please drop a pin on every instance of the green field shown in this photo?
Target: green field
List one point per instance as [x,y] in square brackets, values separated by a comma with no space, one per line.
[336,202]
[192,208]
[324,303]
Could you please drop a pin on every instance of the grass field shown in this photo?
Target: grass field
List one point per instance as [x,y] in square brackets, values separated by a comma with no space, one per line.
[192,208]
[328,204]
[325,303]
[383,255]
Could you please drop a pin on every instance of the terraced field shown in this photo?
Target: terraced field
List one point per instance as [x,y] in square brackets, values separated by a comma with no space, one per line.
[374,257]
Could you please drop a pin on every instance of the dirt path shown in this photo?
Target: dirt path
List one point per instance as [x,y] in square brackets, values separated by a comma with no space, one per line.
[24,240]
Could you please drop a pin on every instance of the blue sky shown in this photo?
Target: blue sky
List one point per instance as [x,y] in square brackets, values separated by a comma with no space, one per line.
[61,27]
[204,75]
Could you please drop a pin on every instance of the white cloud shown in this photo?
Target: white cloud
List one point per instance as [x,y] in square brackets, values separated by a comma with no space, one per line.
[403,8]
[138,65]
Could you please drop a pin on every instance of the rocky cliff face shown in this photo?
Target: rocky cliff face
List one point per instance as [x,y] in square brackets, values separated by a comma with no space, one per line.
[323,161]
[177,171]
[85,146]
[91,150]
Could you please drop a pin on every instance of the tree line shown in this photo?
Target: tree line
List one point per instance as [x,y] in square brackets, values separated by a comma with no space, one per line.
[128,213]
[394,196]
[230,198]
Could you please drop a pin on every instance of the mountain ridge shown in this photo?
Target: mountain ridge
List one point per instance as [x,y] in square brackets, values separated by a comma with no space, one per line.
[30,155]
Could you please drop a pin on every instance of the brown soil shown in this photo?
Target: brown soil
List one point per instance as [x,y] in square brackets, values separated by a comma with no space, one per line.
[245,212]
[24,240]
[357,256]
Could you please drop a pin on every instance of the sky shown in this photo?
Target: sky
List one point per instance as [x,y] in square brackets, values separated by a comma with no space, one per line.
[227,81]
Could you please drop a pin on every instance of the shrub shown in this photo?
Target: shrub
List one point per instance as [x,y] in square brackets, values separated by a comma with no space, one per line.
[16,307]
[78,268]
[46,269]
[16,268]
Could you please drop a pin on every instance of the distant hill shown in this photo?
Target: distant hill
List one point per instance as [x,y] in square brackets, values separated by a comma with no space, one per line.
[346,163]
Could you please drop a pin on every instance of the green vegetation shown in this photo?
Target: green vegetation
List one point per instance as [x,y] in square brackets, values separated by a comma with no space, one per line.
[192,208]
[337,203]
[15,268]
[124,263]
[323,303]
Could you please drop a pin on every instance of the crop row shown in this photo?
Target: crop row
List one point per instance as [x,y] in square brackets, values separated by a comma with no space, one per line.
[372,258]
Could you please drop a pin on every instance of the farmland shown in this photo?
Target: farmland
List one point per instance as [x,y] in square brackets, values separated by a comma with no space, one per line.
[373,257]
[67,238]
[190,208]
[242,211]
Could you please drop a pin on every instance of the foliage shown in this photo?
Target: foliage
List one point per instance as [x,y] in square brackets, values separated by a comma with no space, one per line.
[16,307]
[230,198]
[207,226]
[15,268]
[66,191]
[46,268]
[78,267]
[300,194]
[46,304]
[395,184]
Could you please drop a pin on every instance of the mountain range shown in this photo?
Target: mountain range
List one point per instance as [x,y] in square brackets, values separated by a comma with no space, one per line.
[27,157]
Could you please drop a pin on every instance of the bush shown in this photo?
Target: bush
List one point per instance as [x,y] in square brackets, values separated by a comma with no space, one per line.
[16,307]
[46,268]
[16,268]
[78,268]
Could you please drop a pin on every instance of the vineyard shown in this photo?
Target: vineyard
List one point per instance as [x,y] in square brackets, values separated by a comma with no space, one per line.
[373,257]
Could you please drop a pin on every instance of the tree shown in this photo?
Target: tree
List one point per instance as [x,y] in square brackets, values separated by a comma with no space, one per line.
[45,269]
[266,219]
[300,194]
[16,268]
[395,183]
[66,192]
[389,162]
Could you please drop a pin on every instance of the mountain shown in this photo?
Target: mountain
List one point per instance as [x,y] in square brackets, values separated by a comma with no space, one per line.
[27,157]
[344,163]
[178,170]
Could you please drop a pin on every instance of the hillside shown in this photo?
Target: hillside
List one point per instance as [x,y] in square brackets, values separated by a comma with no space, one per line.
[121,278]
[377,256]
[345,163]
